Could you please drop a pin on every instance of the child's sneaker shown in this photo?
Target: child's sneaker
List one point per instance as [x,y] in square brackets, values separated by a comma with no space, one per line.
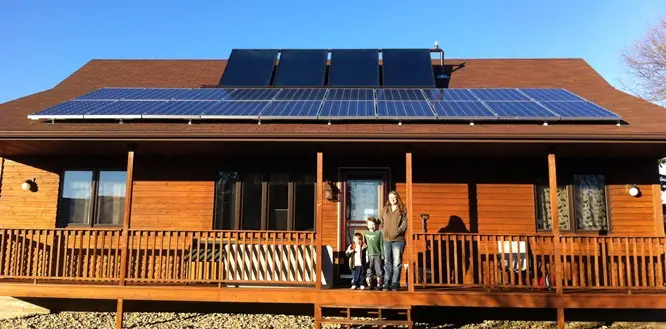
[353,287]
[362,287]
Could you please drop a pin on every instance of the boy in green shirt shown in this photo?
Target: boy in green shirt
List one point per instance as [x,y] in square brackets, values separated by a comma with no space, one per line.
[375,252]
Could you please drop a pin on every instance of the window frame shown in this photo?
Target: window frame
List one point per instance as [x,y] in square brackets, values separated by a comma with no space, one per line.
[570,188]
[238,187]
[94,193]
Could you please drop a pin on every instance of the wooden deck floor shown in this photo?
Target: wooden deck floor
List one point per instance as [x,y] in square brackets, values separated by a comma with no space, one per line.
[351,298]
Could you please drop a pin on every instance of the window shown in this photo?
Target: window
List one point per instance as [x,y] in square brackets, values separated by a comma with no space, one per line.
[92,197]
[582,206]
[258,201]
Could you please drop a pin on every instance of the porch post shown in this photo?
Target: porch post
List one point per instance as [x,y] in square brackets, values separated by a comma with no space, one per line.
[410,211]
[119,314]
[126,218]
[319,219]
[555,224]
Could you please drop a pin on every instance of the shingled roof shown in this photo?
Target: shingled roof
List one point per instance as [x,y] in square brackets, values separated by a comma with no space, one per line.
[646,120]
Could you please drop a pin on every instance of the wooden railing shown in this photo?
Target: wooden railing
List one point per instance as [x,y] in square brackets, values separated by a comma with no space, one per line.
[518,261]
[72,254]
[159,256]
[229,257]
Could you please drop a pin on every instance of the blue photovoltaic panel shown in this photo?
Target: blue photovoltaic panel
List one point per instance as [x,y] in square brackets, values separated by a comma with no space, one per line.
[249,68]
[520,110]
[184,109]
[70,110]
[338,94]
[400,95]
[301,68]
[462,110]
[449,95]
[404,110]
[112,93]
[301,94]
[407,68]
[548,94]
[291,110]
[499,94]
[347,110]
[354,68]
[235,110]
[123,109]
[252,94]
[580,110]
[205,94]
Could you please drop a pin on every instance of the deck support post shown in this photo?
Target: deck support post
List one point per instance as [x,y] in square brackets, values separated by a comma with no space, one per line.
[119,314]
[317,316]
[411,268]
[555,226]
[126,218]
[319,220]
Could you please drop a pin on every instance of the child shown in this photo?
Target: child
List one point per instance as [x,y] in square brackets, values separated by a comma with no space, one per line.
[375,252]
[356,254]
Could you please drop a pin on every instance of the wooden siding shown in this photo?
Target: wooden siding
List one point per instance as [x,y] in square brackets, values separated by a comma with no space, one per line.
[20,208]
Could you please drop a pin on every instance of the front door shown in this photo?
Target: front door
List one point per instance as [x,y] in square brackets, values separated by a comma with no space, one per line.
[364,193]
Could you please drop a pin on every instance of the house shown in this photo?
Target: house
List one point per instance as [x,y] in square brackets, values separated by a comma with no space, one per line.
[97,202]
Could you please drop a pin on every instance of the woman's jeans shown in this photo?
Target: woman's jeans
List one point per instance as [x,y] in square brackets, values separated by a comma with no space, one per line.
[393,262]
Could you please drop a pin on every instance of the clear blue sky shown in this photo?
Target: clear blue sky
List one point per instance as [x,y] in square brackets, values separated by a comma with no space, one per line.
[45,41]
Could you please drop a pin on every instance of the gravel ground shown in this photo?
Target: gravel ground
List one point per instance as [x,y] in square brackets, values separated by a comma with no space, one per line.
[92,320]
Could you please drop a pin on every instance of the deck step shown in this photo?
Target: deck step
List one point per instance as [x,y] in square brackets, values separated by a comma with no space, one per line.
[379,316]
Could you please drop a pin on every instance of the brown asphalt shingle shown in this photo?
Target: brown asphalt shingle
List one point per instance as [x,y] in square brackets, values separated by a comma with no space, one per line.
[646,120]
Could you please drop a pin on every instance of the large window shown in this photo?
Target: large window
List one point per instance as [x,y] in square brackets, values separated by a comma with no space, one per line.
[264,201]
[582,205]
[92,197]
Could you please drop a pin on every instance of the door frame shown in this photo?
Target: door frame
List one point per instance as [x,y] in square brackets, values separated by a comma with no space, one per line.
[344,173]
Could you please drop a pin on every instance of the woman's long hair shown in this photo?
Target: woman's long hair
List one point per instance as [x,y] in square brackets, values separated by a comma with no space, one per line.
[401,205]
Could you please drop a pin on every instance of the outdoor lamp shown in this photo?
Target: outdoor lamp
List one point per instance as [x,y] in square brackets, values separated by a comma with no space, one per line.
[329,191]
[424,220]
[633,190]
[28,184]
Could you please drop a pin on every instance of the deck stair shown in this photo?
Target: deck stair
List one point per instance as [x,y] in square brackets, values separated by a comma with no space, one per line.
[369,316]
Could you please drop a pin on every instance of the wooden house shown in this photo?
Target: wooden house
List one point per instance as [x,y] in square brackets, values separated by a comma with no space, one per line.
[188,209]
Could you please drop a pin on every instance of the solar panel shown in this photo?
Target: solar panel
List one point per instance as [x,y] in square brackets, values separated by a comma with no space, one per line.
[205,94]
[407,68]
[235,110]
[400,95]
[498,94]
[404,110]
[252,94]
[580,110]
[336,110]
[449,94]
[249,68]
[291,110]
[520,110]
[112,93]
[179,109]
[350,94]
[70,110]
[301,68]
[550,94]
[123,110]
[301,94]
[354,68]
[463,110]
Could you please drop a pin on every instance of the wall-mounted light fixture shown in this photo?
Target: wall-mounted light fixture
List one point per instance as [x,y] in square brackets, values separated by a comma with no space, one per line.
[29,185]
[330,191]
[633,190]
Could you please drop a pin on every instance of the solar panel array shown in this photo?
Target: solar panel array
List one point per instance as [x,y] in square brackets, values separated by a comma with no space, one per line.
[330,104]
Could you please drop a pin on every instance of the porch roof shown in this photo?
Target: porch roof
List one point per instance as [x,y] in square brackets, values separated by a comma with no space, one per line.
[645,119]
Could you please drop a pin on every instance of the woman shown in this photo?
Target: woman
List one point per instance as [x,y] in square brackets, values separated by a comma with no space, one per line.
[393,219]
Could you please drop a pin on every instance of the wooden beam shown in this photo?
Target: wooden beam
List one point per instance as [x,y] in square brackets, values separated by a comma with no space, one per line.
[349,298]
[410,211]
[319,219]
[552,183]
[126,218]
[317,316]
[119,314]
[658,210]
[560,318]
